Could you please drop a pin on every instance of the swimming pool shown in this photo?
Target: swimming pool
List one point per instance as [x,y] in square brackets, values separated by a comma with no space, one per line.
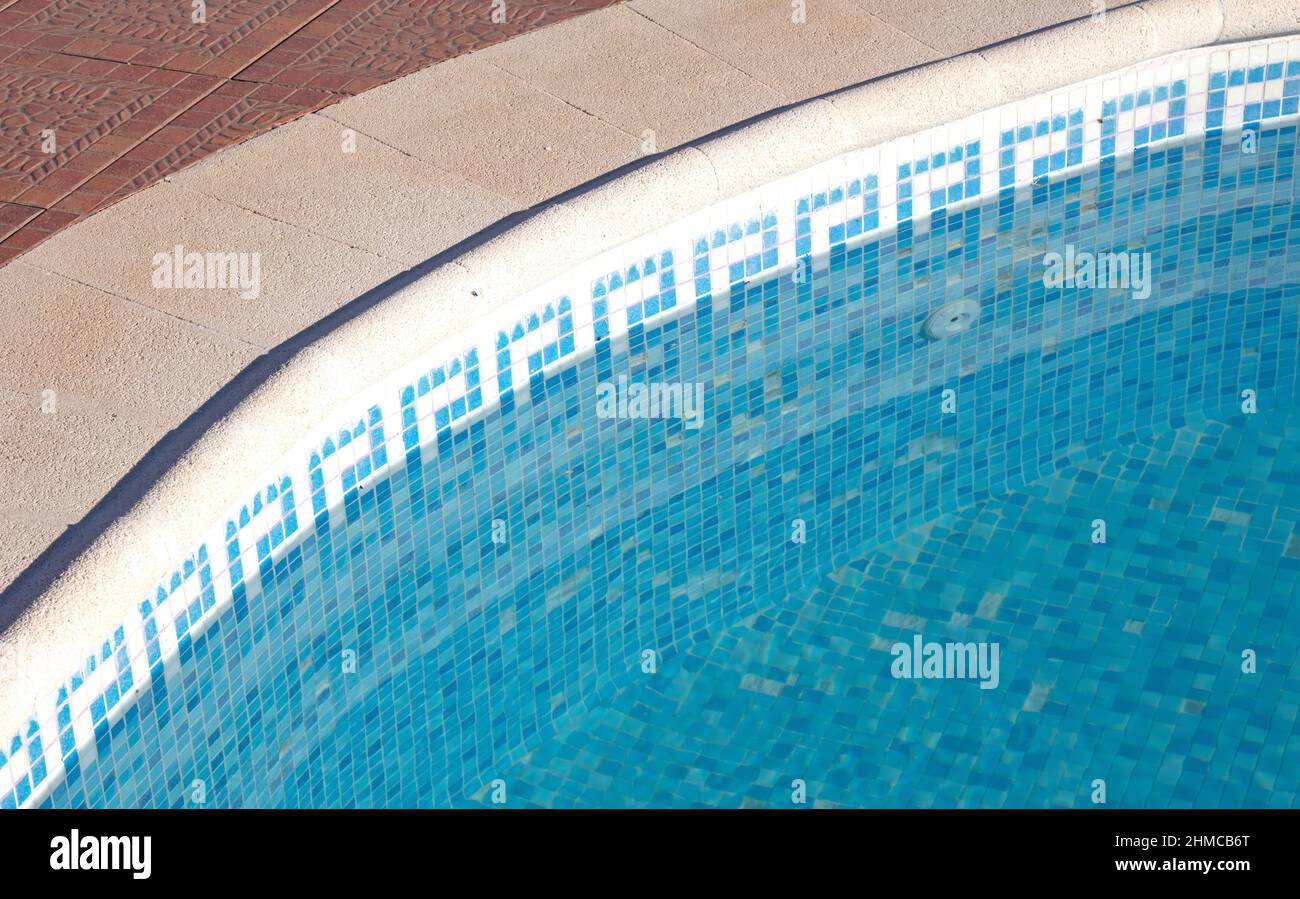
[505,581]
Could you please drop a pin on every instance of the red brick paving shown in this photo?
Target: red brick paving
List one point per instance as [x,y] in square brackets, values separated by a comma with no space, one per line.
[132,90]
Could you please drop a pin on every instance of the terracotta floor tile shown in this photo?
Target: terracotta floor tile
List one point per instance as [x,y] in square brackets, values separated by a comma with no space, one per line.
[41,197]
[382,39]
[165,29]
[48,118]
[133,90]
[50,221]
[78,201]
[25,238]
[13,216]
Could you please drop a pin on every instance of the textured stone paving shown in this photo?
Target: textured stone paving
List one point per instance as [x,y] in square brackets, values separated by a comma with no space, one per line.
[101,98]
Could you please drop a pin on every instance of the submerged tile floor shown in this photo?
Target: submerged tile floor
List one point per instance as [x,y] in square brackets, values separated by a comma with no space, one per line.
[1119,661]
[101,98]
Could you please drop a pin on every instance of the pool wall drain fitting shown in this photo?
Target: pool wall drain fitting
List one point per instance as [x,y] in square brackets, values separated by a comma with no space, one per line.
[951,319]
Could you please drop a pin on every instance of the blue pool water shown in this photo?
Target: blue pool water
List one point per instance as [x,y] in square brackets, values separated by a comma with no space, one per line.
[1116,655]
[405,657]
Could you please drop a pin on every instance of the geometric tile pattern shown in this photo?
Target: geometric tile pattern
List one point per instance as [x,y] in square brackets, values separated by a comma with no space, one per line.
[493,556]
[104,97]
[164,36]
[79,110]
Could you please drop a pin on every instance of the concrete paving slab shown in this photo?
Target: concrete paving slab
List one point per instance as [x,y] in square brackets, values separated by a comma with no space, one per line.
[332,181]
[635,75]
[66,336]
[800,54]
[491,128]
[61,453]
[955,26]
[301,277]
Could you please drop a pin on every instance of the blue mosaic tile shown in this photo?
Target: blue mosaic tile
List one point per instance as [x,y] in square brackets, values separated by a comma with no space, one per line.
[1111,666]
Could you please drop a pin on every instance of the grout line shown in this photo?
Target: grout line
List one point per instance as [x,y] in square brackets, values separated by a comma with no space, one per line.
[542,90]
[709,52]
[510,201]
[142,305]
[334,240]
[127,62]
[942,54]
[37,211]
[337,94]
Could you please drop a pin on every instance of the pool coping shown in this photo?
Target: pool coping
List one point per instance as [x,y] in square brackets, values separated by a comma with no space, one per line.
[89,597]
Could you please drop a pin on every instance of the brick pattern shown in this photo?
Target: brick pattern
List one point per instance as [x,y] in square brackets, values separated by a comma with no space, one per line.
[101,98]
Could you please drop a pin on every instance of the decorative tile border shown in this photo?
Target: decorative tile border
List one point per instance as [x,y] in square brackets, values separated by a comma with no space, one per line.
[793,223]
